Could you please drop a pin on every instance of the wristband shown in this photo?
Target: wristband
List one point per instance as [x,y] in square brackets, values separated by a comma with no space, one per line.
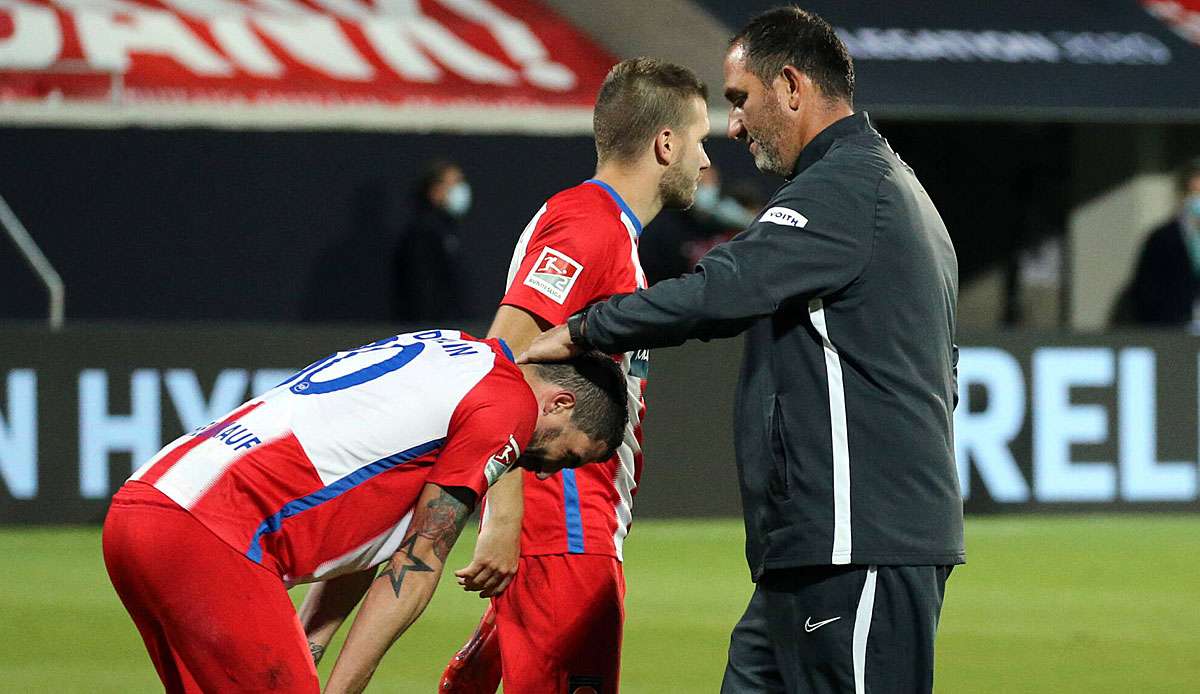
[577,329]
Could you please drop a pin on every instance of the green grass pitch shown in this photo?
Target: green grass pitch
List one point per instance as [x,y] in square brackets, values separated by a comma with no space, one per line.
[1098,603]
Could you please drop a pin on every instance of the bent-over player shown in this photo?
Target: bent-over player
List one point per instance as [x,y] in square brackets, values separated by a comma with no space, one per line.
[370,455]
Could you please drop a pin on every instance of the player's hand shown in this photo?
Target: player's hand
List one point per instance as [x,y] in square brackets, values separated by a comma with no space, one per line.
[553,345]
[494,564]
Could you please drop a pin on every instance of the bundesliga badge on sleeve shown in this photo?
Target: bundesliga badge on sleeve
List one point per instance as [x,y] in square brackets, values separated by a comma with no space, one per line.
[554,274]
[502,461]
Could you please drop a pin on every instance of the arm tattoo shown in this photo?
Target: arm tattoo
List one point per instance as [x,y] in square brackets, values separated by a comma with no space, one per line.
[444,520]
[440,522]
[396,573]
[317,651]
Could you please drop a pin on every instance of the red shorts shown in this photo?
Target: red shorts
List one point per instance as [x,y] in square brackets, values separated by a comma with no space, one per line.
[212,620]
[559,625]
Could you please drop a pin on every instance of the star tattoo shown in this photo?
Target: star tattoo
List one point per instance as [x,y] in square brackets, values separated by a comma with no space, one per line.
[396,574]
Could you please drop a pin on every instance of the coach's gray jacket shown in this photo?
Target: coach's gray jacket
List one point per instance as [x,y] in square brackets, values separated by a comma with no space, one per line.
[846,288]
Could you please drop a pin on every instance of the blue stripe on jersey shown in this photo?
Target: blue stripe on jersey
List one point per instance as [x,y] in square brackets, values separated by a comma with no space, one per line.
[507,352]
[571,507]
[296,506]
[637,223]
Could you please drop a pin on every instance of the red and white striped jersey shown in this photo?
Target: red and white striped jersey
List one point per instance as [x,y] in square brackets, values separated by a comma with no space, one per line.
[318,476]
[580,248]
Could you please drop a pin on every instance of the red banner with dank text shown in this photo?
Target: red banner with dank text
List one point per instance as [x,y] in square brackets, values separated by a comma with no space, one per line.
[443,52]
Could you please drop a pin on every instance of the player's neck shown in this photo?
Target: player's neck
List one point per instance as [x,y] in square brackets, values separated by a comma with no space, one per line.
[639,189]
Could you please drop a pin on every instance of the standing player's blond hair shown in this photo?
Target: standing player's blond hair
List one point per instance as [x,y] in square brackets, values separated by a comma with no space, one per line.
[639,97]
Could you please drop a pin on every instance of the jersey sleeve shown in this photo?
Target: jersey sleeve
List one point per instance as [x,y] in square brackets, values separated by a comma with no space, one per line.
[569,263]
[488,431]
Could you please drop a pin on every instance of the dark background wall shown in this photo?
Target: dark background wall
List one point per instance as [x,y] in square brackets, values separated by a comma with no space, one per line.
[207,225]
[260,226]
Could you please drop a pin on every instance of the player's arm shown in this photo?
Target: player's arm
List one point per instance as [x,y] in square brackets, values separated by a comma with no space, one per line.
[327,605]
[401,591]
[498,548]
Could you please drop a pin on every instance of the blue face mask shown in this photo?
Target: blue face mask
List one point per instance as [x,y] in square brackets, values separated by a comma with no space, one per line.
[1191,213]
[1189,219]
[706,198]
[458,200]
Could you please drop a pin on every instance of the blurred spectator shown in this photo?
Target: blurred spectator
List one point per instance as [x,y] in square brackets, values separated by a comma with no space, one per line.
[672,250]
[720,210]
[723,215]
[426,262]
[1166,285]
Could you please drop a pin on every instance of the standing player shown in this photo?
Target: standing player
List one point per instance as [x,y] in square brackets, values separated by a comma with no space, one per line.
[375,453]
[557,626]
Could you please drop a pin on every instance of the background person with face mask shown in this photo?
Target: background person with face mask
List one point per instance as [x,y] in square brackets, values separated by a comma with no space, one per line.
[724,211]
[1165,290]
[718,212]
[426,260]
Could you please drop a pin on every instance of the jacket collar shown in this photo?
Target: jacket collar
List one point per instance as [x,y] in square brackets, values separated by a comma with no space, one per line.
[853,124]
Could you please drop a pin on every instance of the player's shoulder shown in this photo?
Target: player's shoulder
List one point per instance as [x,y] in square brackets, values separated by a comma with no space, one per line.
[501,400]
[583,222]
[586,195]
[505,383]
[585,202]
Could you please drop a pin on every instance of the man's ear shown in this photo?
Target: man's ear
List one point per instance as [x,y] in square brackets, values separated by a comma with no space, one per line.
[665,147]
[797,85]
[563,400]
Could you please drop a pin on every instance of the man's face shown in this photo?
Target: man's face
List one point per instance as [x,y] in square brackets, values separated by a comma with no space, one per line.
[678,184]
[555,447]
[756,116]
[450,177]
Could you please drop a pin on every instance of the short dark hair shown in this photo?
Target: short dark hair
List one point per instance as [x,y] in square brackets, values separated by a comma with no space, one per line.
[790,36]
[601,396]
[639,96]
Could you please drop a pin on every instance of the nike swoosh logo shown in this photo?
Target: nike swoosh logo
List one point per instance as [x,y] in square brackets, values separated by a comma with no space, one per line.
[810,627]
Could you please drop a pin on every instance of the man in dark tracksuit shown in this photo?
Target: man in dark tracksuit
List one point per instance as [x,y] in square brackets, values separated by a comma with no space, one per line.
[846,288]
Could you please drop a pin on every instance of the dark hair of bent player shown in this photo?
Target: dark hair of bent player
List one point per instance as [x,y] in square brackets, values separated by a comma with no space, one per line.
[601,397]
[791,36]
[639,97]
